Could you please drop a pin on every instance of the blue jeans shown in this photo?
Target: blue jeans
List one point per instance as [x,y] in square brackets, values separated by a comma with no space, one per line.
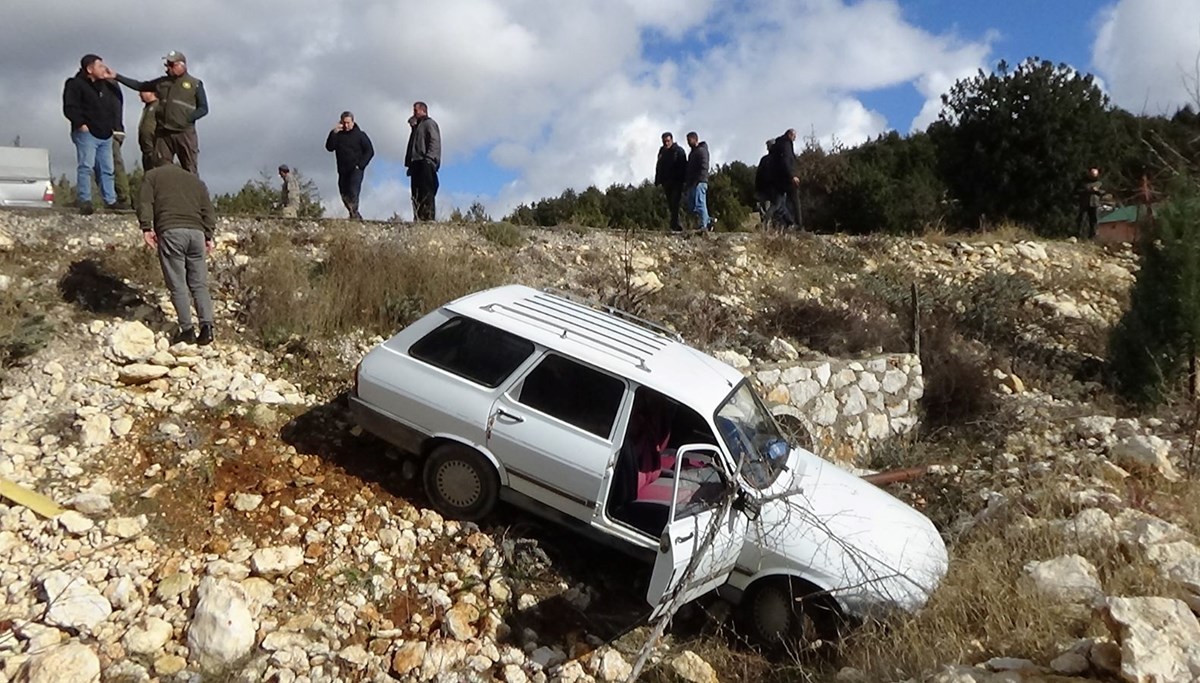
[93,153]
[697,203]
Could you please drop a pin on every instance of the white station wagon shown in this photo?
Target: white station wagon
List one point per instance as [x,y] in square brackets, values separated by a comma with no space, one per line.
[613,426]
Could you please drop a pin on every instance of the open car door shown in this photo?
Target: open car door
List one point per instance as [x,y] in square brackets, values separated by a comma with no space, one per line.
[704,532]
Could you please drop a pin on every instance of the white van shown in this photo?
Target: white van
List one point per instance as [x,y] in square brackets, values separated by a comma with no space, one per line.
[614,427]
[25,178]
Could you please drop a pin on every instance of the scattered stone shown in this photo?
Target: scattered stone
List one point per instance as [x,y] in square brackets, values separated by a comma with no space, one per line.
[609,666]
[408,657]
[148,637]
[95,431]
[1146,453]
[733,358]
[1070,664]
[781,350]
[75,523]
[692,668]
[73,602]
[126,527]
[169,665]
[90,503]
[460,621]
[132,341]
[1070,578]
[222,630]
[140,373]
[1159,638]
[245,502]
[276,561]
[72,662]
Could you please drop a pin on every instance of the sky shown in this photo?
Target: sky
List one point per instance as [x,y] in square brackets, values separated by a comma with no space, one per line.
[535,96]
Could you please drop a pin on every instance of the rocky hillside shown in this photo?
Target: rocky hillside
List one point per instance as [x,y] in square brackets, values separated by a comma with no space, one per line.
[221,519]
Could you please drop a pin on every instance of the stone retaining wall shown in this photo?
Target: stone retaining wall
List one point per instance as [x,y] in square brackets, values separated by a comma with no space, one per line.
[846,405]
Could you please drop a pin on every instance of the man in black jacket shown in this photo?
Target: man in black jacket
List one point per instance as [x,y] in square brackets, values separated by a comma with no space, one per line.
[353,151]
[784,151]
[86,104]
[669,173]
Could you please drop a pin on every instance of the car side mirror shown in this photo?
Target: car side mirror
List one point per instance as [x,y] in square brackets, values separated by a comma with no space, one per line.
[747,505]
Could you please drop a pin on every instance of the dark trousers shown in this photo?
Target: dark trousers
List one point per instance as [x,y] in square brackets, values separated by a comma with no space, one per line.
[674,192]
[149,160]
[1087,219]
[349,186]
[178,144]
[792,195]
[424,190]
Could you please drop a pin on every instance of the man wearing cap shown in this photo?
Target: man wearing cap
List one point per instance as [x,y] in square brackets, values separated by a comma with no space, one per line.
[87,98]
[289,202]
[182,102]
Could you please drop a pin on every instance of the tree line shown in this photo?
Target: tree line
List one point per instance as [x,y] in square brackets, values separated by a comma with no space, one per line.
[1010,146]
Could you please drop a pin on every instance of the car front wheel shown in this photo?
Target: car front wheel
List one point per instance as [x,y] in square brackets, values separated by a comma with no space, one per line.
[461,483]
[790,615]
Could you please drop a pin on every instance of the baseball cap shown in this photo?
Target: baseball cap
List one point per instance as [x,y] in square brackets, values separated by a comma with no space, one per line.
[174,56]
[283,168]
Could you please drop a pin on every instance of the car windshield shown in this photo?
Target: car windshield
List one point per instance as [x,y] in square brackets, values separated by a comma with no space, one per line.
[752,437]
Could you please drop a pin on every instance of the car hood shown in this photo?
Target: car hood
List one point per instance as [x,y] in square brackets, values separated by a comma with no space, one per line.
[847,536]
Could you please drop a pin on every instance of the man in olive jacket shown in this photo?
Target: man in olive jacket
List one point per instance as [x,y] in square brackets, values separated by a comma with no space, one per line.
[147,127]
[176,216]
[669,172]
[182,102]
[353,151]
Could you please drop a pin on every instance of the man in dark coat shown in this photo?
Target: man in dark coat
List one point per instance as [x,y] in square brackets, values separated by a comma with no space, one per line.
[696,180]
[766,188]
[353,151]
[669,172]
[87,104]
[786,166]
[1090,193]
[423,159]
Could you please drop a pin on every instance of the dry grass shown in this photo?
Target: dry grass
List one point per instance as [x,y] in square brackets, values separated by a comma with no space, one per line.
[1005,232]
[377,287]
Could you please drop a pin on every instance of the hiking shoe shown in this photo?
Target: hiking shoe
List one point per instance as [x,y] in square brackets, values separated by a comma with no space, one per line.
[206,334]
[117,206]
[185,335]
[86,209]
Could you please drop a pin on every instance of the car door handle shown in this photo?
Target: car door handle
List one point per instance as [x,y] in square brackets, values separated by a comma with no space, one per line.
[684,539]
[504,413]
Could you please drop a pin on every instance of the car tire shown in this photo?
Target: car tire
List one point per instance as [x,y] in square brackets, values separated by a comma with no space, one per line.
[788,615]
[461,483]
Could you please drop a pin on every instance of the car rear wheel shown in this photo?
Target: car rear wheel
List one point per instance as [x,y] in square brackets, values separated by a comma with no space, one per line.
[790,615]
[461,483]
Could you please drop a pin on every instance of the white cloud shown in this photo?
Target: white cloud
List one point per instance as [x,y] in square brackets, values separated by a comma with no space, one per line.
[559,94]
[1148,52]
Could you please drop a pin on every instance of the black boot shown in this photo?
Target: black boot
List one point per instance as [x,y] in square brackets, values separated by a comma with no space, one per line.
[206,334]
[86,209]
[185,335]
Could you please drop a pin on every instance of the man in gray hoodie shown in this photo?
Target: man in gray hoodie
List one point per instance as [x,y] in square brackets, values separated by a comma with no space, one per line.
[696,180]
[423,159]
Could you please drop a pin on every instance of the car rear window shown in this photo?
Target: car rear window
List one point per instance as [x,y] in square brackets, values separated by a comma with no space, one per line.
[473,350]
[574,393]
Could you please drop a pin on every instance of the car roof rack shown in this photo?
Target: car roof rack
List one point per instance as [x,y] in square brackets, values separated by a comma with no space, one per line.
[654,327]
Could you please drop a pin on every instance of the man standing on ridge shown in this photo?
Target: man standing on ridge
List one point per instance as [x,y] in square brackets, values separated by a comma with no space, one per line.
[669,172]
[784,151]
[182,102]
[696,180]
[147,126]
[86,104]
[423,158]
[289,202]
[353,151]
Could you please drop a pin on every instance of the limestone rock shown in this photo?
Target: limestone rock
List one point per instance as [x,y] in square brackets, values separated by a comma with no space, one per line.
[1179,562]
[140,373]
[1146,453]
[737,360]
[169,665]
[245,502]
[222,630]
[460,621]
[126,527]
[74,603]
[276,561]
[1070,664]
[781,350]
[95,431]
[692,668]
[408,657]
[1159,638]
[75,523]
[1070,578]
[71,662]
[148,637]
[608,666]
[90,503]
[131,342]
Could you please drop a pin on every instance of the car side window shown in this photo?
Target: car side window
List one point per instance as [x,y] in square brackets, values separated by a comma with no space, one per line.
[473,350]
[574,393]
